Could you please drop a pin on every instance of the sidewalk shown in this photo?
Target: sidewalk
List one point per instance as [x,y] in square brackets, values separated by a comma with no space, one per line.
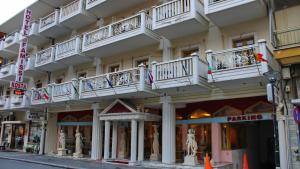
[61,162]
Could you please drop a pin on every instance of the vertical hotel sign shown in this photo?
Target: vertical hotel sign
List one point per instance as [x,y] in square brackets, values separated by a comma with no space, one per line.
[23,50]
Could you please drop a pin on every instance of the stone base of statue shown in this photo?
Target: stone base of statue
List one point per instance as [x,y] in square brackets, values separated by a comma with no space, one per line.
[121,155]
[155,157]
[61,152]
[190,160]
[77,155]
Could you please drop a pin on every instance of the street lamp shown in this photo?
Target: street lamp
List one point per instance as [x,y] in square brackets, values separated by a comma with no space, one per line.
[272,77]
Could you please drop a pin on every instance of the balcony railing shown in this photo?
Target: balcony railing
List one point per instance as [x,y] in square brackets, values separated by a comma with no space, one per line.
[288,37]
[45,56]
[68,48]
[2,101]
[129,24]
[213,2]
[65,91]
[8,69]
[234,58]
[12,38]
[90,1]
[115,80]
[49,20]
[41,95]
[172,9]
[70,9]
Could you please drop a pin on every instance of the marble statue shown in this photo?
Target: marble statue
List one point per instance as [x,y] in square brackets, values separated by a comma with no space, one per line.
[155,145]
[78,145]
[62,151]
[191,157]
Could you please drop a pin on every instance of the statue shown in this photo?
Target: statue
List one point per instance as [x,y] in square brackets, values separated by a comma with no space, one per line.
[78,145]
[191,158]
[155,145]
[62,151]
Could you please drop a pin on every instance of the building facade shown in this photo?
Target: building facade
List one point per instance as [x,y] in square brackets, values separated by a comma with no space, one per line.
[133,78]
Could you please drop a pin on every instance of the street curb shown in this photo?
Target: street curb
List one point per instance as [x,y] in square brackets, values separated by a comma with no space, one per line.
[42,163]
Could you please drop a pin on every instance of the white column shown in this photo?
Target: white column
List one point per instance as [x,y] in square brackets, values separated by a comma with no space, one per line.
[141,141]
[114,140]
[96,134]
[106,140]
[168,130]
[70,74]
[98,64]
[42,140]
[282,143]
[133,141]
[165,45]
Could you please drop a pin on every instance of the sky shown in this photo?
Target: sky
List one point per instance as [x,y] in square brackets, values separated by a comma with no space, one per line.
[10,8]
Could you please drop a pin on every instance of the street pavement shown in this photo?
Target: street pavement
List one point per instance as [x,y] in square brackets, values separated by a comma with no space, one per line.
[19,160]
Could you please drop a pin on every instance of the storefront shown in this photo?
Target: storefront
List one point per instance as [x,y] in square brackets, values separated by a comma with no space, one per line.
[13,134]
[69,122]
[225,129]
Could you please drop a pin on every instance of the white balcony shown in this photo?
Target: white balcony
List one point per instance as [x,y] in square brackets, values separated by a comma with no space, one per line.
[69,52]
[9,46]
[179,18]
[50,27]
[34,37]
[41,96]
[45,60]
[239,66]
[19,102]
[125,35]
[74,15]
[131,83]
[228,12]
[104,8]
[65,92]
[30,70]
[8,72]
[188,74]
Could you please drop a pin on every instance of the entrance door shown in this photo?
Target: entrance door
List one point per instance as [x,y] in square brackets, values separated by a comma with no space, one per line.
[17,138]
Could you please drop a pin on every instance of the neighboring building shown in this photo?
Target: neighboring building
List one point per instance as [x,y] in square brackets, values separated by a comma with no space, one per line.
[286,40]
[124,74]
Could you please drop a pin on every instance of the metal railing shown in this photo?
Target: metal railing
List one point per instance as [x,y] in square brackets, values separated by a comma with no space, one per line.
[117,28]
[288,37]
[174,69]
[213,2]
[67,47]
[171,9]
[45,56]
[70,8]
[49,19]
[68,89]
[234,58]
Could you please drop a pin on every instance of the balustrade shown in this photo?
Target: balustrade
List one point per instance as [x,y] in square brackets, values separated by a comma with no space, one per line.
[70,46]
[45,56]
[171,9]
[70,8]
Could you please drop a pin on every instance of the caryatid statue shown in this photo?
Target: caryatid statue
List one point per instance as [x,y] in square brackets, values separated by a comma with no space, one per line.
[78,144]
[155,145]
[191,143]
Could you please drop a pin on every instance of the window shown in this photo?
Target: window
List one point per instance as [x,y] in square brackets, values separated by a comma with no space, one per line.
[144,62]
[249,40]
[189,52]
[233,136]
[114,68]
[35,133]
[38,84]
[82,74]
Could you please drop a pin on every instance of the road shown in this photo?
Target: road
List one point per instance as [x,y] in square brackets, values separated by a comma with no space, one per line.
[11,164]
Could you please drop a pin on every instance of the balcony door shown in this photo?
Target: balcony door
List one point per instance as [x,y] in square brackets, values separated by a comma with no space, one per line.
[245,41]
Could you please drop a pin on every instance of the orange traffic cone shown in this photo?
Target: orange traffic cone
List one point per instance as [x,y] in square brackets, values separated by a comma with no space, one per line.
[207,163]
[245,161]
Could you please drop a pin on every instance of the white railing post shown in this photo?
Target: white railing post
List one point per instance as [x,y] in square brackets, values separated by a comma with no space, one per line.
[262,47]
[210,63]
[196,68]
[193,7]
[142,76]
[80,86]
[143,20]
[77,44]
[154,17]
[52,90]
[154,73]
[84,40]
[74,86]
[80,7]
[56,16]
[110,30]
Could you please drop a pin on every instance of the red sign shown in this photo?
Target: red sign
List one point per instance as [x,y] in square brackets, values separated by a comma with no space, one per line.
[18,85]
[26,22]
[249,117]
[296,114]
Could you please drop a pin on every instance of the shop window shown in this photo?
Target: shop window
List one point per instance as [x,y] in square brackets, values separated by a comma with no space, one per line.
[189,52]
[245,41]
[35,133]
[233,136]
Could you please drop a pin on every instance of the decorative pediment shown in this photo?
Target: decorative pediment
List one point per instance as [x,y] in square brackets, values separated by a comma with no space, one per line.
[259,107]
[119,106]
[227,111]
